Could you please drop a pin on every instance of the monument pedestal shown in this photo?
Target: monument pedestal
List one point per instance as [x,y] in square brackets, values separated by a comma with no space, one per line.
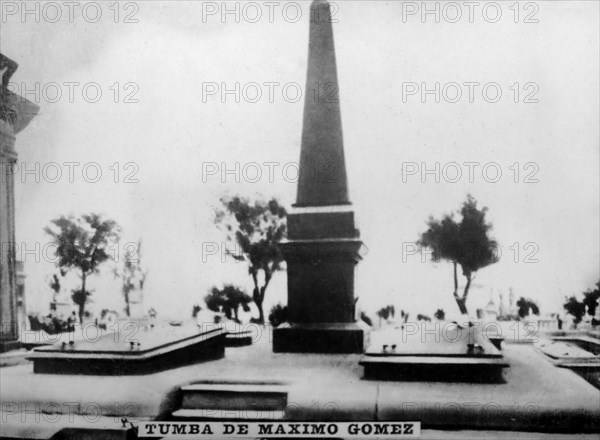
[9,346]
[321,338]
[321,255]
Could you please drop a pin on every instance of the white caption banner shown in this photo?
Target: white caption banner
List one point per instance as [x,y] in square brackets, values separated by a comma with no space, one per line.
[362,430]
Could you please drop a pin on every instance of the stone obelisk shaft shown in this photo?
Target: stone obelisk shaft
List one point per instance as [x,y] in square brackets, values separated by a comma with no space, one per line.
[322,180]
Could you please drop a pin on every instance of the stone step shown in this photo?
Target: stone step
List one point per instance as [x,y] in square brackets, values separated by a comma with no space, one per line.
[234,396]
[219,414]
[238,339]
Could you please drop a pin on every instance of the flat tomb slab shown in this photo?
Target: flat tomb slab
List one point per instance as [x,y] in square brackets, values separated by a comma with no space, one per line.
[440,361]
[431,352]
[564,350]
[433,339]
[128,353]
[569,354]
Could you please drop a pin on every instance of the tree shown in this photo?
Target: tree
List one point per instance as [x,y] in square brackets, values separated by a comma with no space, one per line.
[590,299]
[466,244]
[81,245]
[132,276]
[278,315]
[386,312]
[524,305]
[195,310]
[55,286]
[229,299]
[256,228]
[366,319]
[403,316]
[574,308]
[578,308]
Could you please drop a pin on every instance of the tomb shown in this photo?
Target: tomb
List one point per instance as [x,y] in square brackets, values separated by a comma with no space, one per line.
[146,351]
[448,353]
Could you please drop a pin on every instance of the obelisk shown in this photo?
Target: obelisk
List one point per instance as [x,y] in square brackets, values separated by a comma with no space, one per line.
[15,114]
[323,244]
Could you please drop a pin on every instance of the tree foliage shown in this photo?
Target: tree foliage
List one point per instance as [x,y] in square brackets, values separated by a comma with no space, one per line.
[278,315]
[256,228]
[574,308]
[228,299]
[386,312]
[50,324]
[82,245]
[578,308]
[590,299]
[195,310]
[526,304]
[366,319]
[466,244]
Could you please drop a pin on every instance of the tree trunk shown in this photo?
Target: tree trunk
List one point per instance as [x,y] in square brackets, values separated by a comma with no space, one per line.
[256,296]
[455,280]
[81,312]
[460,301]
[261,313]
[466,291]
[462,305]
[127,309]
[82,303]
[263,289]
[259,295]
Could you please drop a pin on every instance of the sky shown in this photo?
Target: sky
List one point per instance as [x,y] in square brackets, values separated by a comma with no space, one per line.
[150,110]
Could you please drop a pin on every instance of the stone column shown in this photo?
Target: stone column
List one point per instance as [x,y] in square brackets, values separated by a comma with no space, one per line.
[323,244]
[8,279]
[15,113]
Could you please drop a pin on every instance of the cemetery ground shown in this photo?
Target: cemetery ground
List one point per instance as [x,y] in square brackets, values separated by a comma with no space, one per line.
[534,396]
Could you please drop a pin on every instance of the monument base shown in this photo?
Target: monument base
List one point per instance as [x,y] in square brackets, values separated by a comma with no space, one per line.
[9,346]
[321,338]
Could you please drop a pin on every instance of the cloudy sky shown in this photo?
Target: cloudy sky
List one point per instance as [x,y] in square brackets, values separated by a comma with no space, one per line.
[163,121]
